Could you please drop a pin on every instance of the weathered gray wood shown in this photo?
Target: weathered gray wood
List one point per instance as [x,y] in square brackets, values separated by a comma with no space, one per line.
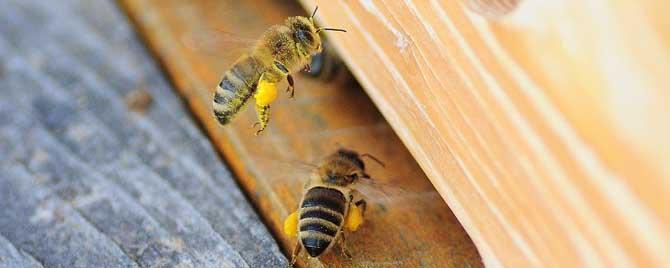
[12,257]
[147,188]
[108,208]
[151,182]
[44,226]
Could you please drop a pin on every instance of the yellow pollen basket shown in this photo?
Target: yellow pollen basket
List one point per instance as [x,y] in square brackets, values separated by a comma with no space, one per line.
[291,224]
[354,218]
[266,94]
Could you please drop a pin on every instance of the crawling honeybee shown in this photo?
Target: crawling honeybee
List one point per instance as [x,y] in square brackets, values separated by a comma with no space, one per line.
[326,208]
[281,49]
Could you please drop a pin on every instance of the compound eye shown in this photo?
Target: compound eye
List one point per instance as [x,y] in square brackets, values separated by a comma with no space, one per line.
[304,37]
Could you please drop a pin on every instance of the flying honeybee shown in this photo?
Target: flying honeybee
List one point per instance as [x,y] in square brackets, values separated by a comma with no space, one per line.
[330,204]
[281,50]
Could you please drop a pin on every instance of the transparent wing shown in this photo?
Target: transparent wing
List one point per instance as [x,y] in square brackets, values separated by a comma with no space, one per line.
[289,171]
[223,31]
[217,42]
[380,189]
[391,191]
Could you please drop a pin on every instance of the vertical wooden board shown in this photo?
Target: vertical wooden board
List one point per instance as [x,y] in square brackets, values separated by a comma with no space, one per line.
[553,113]
[415,229]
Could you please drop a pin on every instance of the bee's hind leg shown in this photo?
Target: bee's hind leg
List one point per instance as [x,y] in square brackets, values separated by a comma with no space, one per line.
[362,205]
[343,247]
[296,252]
[263,113]
[266,93]
[357,207]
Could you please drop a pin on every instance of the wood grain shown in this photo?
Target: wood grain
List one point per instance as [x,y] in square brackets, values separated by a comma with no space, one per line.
[85,180]
[543,125]
[416,230]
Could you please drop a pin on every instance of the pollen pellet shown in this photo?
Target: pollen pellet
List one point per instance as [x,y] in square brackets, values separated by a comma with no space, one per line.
[354,218]
[291,224]
[266,94]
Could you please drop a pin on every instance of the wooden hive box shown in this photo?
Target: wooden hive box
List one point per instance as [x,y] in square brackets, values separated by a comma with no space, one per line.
[543,124]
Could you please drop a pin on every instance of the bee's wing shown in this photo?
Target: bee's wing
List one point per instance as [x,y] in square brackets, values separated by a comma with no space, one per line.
[382,189]
[217,42]
[376,190]
[392,191]
[278,171]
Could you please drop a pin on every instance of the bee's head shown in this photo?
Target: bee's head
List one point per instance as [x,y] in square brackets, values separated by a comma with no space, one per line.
[342,168]
[352,156]
[306,34]
[356,160]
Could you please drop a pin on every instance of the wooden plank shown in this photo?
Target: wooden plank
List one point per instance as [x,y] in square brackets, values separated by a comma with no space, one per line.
[417,231]
[87,182]
[543,125]
[12,257]
[51,235]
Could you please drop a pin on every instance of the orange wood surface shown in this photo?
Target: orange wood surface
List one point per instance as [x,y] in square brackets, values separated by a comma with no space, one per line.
[414,229]
[544,125]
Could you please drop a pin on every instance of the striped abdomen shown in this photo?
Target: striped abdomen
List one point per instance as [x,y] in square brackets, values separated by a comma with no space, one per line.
[321,217]
[237,85]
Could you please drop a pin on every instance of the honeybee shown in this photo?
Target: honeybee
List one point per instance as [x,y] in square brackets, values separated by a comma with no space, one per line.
[282,49]
[329,204]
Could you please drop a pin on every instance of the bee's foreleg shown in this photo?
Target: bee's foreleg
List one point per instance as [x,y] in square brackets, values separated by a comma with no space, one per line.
[290,87]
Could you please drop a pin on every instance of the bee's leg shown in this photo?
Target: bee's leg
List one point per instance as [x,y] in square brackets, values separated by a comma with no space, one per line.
[354,219]
[263,113]
[281,69]
[296,252]
[344,250]
[290,87]
[266,93]
[362,205]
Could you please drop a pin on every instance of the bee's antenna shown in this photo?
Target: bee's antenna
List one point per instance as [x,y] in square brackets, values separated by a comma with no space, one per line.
[331,29]
[374,158]
[324,29]
[314,13]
